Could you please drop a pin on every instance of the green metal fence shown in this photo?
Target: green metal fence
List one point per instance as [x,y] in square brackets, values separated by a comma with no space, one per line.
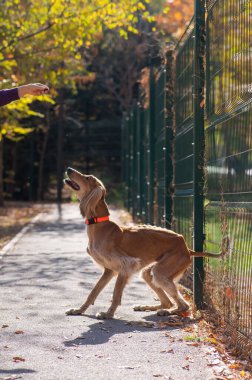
[147,134]
[228,210]
[212,155]
[183,155]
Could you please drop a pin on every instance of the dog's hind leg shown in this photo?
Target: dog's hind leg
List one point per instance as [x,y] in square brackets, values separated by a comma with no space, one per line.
[103,281]
[165,301]
[121,281]
[162,279]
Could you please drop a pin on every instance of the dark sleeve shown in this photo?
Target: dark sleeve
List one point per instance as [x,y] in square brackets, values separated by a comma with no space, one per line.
[7,96]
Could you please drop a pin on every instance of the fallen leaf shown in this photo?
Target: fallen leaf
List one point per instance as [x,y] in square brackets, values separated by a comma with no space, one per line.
[188,329]
[189,359]
[195,344]
[202,103]
[60,357]
[128,367]
[229,292]
[170,351]
[192,338]
[214,362]
[186,367]
[19,332]
[4,326]
[242,373]
[185,314]
[234,366]
[157,375]
[211,340]
[17,359]
[161,325]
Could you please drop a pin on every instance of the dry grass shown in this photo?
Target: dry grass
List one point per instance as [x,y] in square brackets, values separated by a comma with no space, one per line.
[14,216]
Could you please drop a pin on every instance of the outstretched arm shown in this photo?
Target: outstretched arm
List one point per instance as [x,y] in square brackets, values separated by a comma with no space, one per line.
[9,95]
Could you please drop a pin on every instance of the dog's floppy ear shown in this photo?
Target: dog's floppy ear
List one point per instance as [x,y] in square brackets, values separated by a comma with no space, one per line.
[88,204]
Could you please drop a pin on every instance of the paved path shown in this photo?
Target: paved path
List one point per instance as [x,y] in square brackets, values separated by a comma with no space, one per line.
[48,272]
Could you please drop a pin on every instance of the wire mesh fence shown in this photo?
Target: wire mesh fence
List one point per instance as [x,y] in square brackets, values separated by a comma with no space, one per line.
[155,161]
[183,149]
[147,131]
[228,284]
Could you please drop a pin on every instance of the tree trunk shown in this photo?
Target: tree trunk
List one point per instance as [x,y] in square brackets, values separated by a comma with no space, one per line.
[40,193]
[1,173]
[60,144]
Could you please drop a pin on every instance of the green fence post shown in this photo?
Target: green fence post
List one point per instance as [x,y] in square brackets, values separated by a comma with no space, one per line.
[130,182]
[169,135]
[151,148]
[134,166]
[126,157]
[199,148]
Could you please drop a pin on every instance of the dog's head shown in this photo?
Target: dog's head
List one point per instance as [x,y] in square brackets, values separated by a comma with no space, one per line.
[88,189]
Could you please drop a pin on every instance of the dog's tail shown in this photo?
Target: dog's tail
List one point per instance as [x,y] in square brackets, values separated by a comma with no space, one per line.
[225,249]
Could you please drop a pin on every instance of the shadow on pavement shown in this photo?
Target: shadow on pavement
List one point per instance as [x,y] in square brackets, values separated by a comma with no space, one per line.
[15,371]
[102,331]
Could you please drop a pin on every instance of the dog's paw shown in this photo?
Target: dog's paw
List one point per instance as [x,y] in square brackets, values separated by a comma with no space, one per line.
[139,308]
[104,315]
[74,312]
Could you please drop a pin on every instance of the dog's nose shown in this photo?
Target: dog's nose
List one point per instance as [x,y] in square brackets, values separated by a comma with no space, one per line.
[69,170]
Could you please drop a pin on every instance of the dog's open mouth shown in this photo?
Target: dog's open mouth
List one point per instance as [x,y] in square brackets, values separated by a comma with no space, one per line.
[72,184]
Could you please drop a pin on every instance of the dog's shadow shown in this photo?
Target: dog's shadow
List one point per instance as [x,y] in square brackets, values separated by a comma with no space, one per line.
[101,332]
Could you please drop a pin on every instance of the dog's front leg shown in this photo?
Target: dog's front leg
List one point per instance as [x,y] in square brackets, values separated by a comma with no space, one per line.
[121,281]
[103,281]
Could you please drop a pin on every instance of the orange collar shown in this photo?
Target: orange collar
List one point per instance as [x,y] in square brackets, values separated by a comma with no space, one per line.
[95,220]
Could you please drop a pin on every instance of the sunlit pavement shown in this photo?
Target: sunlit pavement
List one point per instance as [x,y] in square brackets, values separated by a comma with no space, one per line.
[47,272]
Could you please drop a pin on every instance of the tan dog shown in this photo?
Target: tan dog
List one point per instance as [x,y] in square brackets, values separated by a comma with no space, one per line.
[161,254]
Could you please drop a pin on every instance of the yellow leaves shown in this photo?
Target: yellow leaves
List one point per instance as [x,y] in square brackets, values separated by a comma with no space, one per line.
[45,34]
[132,29]
[45,98]
[212,340]
[13,131]
[166,10]
[21,108]
[141,6]
[123,33]
[22,131]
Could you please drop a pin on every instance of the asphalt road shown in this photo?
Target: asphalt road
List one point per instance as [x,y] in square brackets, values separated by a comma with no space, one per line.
[47,272]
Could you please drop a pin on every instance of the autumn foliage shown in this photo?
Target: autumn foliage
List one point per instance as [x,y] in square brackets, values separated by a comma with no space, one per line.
[175,16]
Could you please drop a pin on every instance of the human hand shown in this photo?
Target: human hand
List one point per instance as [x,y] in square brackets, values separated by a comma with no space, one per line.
[32,89]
